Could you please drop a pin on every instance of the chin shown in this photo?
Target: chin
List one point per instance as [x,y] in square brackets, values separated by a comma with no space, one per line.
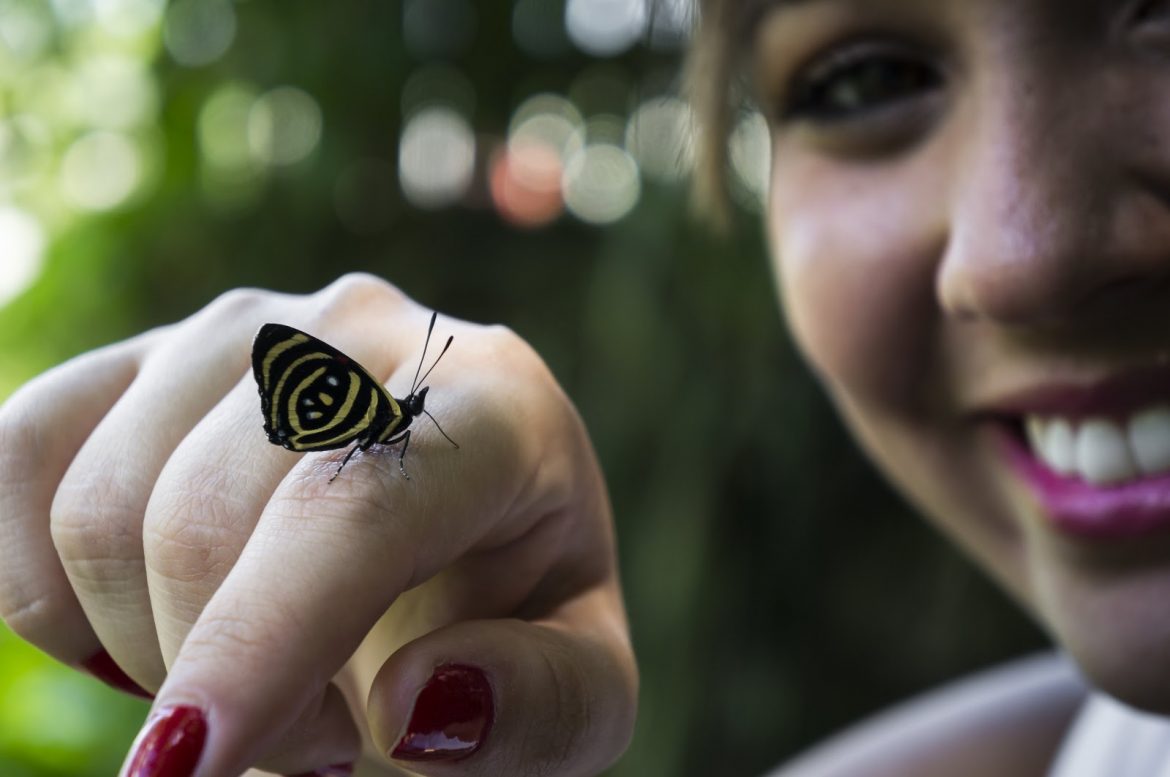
[1116,625]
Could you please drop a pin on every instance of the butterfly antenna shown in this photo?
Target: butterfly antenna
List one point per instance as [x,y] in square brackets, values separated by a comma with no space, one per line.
[428,372]
[440,428]
[414,385]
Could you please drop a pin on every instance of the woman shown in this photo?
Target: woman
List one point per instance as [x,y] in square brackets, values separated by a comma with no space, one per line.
[968,225]
[966,220]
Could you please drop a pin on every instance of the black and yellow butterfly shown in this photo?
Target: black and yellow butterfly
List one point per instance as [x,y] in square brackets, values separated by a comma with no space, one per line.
[315,398]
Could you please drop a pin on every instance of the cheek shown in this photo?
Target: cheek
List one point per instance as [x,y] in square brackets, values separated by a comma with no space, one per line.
[855,259]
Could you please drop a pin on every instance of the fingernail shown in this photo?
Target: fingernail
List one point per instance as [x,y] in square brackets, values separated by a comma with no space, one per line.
[337,770]
[170,745]
[101,665]
[451,717]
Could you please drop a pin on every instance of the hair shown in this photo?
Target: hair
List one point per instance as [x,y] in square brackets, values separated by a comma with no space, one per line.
[713,82]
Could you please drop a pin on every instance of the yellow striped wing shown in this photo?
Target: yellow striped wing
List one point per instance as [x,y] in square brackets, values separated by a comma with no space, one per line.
[314,397]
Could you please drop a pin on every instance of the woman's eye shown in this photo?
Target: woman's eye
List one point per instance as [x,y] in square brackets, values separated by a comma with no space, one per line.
[849,86]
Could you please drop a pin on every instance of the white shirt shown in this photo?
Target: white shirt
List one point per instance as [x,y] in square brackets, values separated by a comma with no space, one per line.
[1109,739]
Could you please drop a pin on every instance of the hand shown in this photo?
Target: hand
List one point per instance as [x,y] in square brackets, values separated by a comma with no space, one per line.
[291,623]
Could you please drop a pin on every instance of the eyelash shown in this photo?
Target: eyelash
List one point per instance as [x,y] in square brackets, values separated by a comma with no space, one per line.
[841,86]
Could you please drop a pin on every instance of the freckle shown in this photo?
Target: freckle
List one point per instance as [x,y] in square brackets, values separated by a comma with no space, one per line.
[307,401]
[313,415]
[326,400]
[333,381]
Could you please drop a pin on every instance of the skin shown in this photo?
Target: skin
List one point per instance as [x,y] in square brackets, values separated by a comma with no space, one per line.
[1000,225]
[143,510]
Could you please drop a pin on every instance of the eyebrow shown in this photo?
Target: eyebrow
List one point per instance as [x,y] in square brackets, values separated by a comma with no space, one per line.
[753,10]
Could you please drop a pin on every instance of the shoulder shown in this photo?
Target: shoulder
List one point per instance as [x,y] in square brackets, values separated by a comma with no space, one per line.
[1007,720]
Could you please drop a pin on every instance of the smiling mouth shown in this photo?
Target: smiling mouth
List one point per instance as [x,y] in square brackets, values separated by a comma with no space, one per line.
[1101,450]
[1095,456]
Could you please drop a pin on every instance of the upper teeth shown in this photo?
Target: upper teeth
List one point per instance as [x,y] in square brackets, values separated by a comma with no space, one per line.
[1101,450]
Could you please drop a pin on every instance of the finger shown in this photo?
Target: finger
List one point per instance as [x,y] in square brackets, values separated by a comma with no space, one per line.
[172,739]
[42,426]
[98,510]
[324,562]
[203,509]
[508,696]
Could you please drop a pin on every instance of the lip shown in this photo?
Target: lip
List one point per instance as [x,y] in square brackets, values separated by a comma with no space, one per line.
[1082,510]
[1114,396]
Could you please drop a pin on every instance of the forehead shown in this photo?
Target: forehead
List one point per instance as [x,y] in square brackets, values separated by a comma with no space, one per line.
[954,9]
[1029,22]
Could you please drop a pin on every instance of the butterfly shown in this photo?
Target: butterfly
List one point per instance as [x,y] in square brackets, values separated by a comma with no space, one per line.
[315,398]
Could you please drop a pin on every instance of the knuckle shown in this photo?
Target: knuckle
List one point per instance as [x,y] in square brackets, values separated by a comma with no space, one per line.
[572,705]
[94,526]
[193,532]
[531,385]
[503,341]
[245,632]
[358,288]
[521,360]
[21,440]
[235,302]
[347,510]
[34,617]
[186,553]
[550,744]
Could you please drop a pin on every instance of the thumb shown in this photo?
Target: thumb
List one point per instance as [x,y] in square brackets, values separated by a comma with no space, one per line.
[487,697]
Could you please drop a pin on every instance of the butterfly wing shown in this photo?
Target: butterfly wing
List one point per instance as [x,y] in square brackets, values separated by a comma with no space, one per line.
[313,396]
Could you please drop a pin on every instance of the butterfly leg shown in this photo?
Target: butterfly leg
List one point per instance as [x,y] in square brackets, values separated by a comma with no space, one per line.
[404,438]
[361,446]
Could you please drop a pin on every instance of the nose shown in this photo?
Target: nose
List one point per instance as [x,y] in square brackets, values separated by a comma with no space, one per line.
[1057,212]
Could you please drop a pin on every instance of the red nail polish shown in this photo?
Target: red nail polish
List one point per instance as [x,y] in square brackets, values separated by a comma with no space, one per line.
[337,770]
[101,665]
[451,718]
[171,745]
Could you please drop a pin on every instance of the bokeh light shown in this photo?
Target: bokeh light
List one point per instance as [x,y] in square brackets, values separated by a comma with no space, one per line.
[223,126]
[660,136]
[26,31]
[229,174]
[751,159]
[526,183]
[101,170]
[284,126]
[25,152]
[22,246]
[128,18]
[198,32]
[112,92]
[604,28]
[436,158]
[549,119]
[601,183]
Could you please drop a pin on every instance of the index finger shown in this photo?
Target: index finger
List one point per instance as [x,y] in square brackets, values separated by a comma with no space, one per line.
[324,563]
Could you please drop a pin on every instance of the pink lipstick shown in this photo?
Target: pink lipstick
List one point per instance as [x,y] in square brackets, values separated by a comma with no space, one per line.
[1131,509]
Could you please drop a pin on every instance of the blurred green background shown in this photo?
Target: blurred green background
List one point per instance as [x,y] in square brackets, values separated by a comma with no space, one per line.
[519,162]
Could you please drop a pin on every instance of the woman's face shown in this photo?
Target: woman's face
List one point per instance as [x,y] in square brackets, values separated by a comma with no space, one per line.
[970,219]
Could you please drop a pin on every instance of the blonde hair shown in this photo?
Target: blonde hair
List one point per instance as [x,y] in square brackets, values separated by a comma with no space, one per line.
[714,84]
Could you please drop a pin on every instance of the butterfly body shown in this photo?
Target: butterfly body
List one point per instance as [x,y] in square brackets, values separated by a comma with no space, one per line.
[316,398]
